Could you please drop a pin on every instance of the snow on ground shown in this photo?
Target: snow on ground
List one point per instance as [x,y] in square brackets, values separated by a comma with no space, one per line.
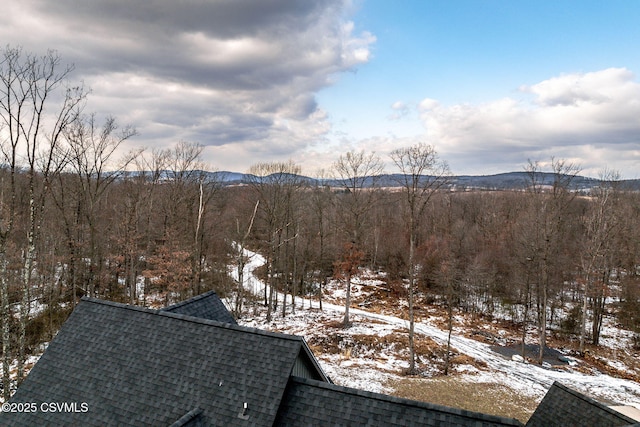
[349,364]
[13,369]
[372,371]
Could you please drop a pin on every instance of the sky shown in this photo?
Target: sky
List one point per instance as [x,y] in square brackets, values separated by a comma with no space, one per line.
[491,84]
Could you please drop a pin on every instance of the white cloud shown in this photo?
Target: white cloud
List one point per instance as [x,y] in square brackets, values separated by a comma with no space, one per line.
[400,110]
[592,119]
[580,89]
[427,104]
[356,49]
[238,76]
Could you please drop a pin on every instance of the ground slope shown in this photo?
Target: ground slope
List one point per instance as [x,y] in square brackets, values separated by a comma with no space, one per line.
[372,353]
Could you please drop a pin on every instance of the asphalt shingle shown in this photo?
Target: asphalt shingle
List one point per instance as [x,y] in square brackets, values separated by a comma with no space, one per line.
[562,406]
[205,306]
[313,403]
[135,366]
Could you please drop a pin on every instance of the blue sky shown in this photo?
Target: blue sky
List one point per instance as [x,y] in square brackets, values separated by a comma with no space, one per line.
[491,84]
[475,52]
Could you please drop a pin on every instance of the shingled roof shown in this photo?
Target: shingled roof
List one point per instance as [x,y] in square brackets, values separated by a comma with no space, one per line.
[135,366]
[313,403]
[205,306]
[189,366]
[562,406]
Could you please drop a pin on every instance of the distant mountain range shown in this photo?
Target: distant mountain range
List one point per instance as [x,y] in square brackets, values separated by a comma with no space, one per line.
[502,181]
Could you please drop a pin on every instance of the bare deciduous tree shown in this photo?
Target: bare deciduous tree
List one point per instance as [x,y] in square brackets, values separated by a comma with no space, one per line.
[241,259]
[34,122]
[422,174]
[357,173]
[346,268]
[90,159]
[320,203]
[601,226]
[549,222]
[275,185]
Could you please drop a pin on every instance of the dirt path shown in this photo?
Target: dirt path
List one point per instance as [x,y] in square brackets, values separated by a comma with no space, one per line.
[520,376]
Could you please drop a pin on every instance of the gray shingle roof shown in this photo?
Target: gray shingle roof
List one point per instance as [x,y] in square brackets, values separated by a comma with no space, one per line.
[206,306]
[562,406]
[313,403]
[135,366]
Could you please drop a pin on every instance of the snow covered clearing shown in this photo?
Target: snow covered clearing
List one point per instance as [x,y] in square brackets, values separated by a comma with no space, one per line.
[372,370]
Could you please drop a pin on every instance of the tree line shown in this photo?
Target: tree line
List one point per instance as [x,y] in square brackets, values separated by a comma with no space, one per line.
[77,219]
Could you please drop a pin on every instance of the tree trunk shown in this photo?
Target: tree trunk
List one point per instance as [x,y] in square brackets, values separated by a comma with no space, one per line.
[322,284]
[583,322]
[598,316]
[294,273]
[525,317]
[412,351]
[5,314]
[29,263]
[450,327]
[542,330]
[599,301]
[240,290]
[346,323]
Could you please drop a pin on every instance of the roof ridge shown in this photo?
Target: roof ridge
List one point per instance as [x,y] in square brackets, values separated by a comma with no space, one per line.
[193,319]
[189,301]
[590,400]
[187,418]
[119,304]
[404,401]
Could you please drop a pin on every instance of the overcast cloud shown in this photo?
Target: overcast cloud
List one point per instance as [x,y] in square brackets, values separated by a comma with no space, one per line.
[237,76]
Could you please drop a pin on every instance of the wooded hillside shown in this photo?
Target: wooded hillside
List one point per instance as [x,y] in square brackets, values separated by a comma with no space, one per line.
[76,220]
